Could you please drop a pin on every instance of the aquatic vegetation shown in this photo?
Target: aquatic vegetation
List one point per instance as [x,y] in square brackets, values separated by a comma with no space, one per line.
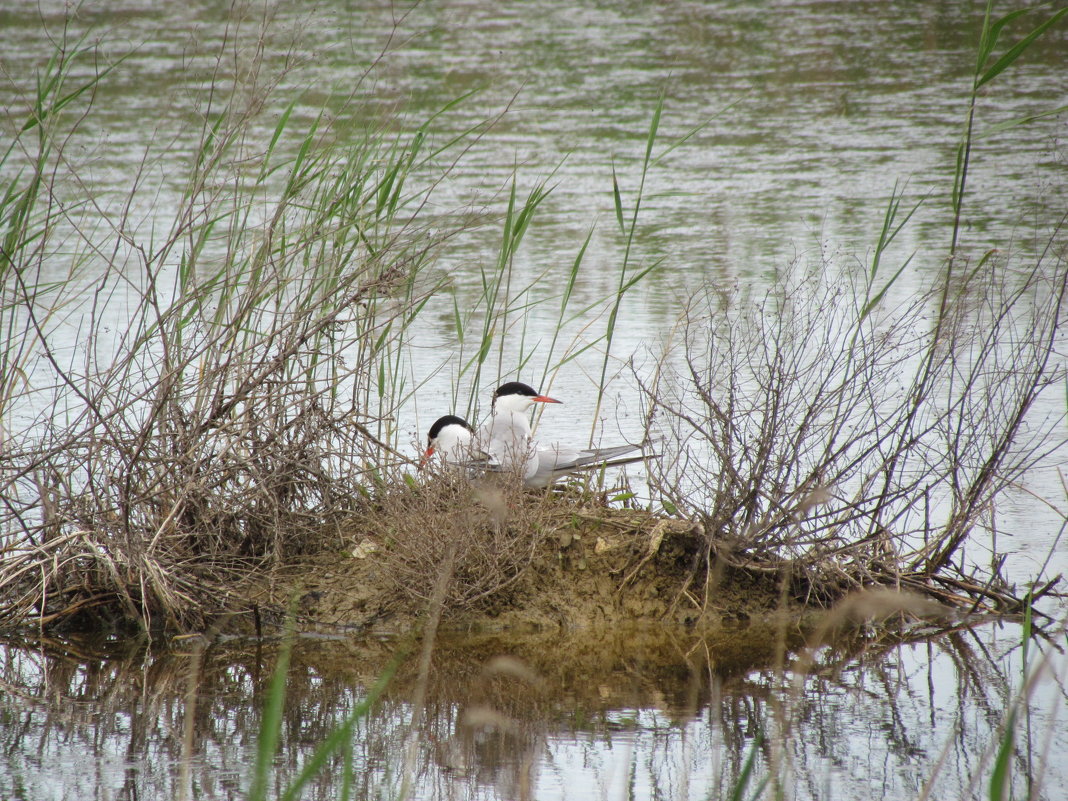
[847,440]
[853,448]
[247,393]
[237,368]
[821,433]
[832,449]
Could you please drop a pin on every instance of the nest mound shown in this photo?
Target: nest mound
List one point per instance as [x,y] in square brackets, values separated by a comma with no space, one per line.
[496,561]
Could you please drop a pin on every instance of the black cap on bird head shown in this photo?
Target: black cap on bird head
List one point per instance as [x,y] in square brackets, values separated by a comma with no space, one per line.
[441,422]
[523,390]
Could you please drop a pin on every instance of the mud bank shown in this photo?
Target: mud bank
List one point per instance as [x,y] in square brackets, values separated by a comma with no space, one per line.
[574,568]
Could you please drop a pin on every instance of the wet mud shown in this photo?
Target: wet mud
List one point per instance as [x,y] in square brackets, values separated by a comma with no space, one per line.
[587,569]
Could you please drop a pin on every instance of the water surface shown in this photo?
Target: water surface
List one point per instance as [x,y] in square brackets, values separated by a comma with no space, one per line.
[804,117]
[592,715]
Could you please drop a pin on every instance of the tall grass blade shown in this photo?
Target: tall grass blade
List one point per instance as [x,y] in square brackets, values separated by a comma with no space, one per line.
[999,777]
[1026,634]
[617,200]
[628,230]
[991,32]
[49,108]
[745,776]
[677,143]
[654,126]
[1017,49]
[891,227]
[279,128]
[877,299]
[271,726]
[1019,121]
[987,42]
[339,739]
[565,299]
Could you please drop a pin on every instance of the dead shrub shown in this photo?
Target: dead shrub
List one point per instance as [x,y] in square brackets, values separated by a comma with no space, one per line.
[194,403]
[485,534]
[848,442]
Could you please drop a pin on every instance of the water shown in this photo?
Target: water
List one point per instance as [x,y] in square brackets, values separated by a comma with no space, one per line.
[806,114]
[648,716]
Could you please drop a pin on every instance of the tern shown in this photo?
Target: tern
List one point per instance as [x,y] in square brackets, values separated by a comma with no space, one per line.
[506,436]
[504,443]
[453,439]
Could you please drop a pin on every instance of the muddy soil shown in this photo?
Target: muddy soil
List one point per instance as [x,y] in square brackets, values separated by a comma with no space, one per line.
[553,566]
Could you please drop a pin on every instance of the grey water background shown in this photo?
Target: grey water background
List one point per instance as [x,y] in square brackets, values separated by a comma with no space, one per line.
[812,112]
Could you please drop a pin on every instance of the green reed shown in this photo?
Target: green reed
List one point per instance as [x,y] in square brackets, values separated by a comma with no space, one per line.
[24,223]
[988,67]
[338,741]
[251,390]
[627,229]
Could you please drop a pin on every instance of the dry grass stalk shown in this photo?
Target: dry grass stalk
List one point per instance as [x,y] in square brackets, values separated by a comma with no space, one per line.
[245,400]
[489,531]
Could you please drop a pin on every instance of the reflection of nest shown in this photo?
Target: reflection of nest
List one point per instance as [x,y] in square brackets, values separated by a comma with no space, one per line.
[486,534]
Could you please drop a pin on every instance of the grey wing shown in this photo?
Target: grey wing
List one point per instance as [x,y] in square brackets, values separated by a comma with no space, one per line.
[598,455]
[556,461]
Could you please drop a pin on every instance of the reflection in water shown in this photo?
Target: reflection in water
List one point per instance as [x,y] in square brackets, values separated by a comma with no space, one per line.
[644,715]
